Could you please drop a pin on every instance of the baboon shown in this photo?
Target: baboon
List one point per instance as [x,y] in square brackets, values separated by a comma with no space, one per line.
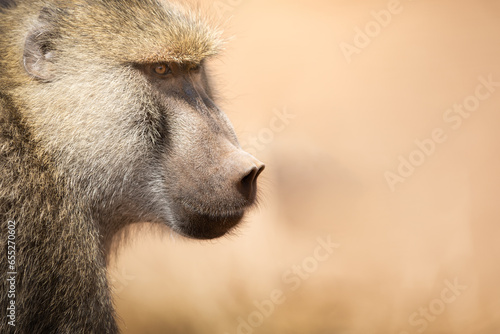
[106,119]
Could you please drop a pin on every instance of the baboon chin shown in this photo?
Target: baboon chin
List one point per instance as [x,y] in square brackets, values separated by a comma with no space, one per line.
[107,117]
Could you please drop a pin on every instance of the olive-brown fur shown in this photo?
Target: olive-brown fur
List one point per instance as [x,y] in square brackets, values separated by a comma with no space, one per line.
[93,137]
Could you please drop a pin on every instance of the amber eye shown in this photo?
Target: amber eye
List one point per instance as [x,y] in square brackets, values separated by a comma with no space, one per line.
[161,69]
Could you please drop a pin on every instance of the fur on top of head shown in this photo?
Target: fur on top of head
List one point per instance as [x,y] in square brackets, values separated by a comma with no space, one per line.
[162,31]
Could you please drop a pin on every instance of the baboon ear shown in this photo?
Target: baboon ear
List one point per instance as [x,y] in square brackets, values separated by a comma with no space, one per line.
[39,53]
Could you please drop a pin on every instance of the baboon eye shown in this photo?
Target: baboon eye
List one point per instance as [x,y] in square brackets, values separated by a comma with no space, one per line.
[161,69]
[195,67]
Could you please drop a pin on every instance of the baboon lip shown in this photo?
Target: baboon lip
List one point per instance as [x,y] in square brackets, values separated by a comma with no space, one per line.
[207,226]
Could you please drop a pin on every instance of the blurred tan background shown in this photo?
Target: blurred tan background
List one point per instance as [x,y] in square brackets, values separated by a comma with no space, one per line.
[379,206]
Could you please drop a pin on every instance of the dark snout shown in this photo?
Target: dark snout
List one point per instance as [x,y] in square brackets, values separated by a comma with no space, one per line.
[213,182]
[217,201]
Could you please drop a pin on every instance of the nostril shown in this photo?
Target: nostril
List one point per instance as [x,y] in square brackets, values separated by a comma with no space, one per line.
[248,184]
[259,170]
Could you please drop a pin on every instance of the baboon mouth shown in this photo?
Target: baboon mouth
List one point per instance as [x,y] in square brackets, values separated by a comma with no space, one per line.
[207,226]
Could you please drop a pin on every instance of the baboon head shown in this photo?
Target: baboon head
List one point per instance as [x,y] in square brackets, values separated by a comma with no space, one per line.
[119,101]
